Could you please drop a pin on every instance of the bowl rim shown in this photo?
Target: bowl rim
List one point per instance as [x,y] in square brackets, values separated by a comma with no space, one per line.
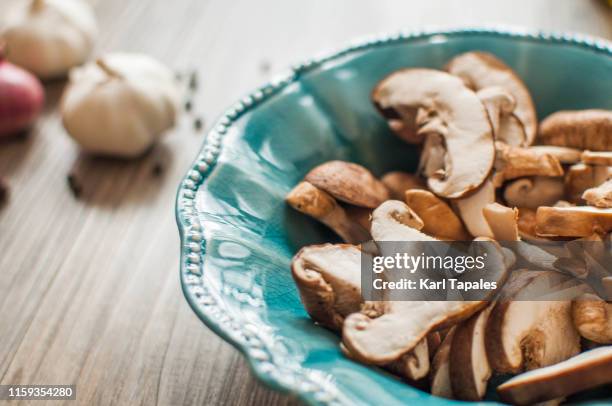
[270,368]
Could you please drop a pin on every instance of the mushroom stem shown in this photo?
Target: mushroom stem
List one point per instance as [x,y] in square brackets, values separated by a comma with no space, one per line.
[107,69]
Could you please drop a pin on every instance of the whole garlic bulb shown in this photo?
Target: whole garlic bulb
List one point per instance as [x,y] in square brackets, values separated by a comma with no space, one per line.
[120,105]
[48,37]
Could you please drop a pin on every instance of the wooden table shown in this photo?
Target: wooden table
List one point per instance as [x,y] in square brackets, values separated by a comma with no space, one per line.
[89,287]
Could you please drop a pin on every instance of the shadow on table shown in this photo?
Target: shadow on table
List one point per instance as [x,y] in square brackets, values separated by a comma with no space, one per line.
[109,182]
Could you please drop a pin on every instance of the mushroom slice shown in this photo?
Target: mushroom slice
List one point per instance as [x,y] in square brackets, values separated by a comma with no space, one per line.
[516,162]
[511,131]
[394,221]
[600,196]
[503,221]
[580,177]
[349,182]
[597,158]
[527,225]
[403,324]
[578,221]
[439,377]
[469,366]
[451,111]
[584,371]
[524,334]
[386,338]
[532,193]
[593,318]
[328,277]
[413,365]
[582,129]
[439,220]
[498,102]
[565,155]
[506,126]
[318,204]
[470,209]
[359,215]
[480,70]
[398,182]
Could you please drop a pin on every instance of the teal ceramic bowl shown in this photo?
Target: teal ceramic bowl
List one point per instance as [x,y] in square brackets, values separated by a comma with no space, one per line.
[238,236]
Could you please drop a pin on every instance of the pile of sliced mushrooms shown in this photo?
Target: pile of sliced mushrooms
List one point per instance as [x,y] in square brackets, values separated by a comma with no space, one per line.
[487,171]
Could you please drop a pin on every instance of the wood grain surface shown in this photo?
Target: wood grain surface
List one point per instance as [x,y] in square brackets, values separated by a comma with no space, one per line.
[89,287]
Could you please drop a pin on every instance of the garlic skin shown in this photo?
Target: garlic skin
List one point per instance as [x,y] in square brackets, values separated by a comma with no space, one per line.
[120,105]
[49,37]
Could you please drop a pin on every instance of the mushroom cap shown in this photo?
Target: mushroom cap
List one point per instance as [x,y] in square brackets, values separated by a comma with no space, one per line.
[600,196]
[452,111]
[349,182]
[480,70]
[439,220]
[597,157]
[526,334]
[578,221]
[584,371]
[399,182]
[328,277]
[534,192]
[500,105]
[593,318]
[469,367]
[582,129]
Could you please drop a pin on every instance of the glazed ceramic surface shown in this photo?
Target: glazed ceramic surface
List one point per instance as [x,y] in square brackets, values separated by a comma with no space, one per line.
[238,235]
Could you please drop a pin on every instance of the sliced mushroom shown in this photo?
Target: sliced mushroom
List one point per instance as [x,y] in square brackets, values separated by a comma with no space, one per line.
[439,220]
[498,102]
[600,196]
[597,158]
[469,366]
[516,162]
[480,70]
[565,155]
[394,221]
[511,131]
[318,204]
[593,318]
[527,225]
[584,371]
[398,182]
[452,111]
[580,177]
[532,193]
[329,280]
[582,129]
[503,221]
[579,221]
[349,182]
[470,209]
[403,324]
[413,365]
[524,334]
[359,215]
[439,377]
